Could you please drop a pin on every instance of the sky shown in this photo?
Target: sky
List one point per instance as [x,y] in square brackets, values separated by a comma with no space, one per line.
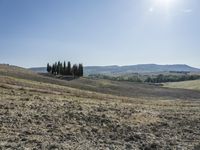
[99,32]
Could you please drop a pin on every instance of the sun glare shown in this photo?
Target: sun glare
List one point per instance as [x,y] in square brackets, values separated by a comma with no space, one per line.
[164,4]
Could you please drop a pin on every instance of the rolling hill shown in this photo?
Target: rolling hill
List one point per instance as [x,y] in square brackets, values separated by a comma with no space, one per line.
[192,85]
[44,112]
[127,89]
[143,68]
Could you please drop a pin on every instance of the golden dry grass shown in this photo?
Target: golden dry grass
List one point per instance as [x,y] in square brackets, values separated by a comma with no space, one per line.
[43,115]
[191,85]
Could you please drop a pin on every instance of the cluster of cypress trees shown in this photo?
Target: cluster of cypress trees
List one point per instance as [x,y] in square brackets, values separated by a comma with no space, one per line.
[59,68]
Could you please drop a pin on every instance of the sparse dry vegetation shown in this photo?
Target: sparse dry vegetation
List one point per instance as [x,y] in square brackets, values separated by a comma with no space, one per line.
[192,85]
[42,115]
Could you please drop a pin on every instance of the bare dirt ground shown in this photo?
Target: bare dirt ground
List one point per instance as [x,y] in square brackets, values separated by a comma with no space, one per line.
[35,115]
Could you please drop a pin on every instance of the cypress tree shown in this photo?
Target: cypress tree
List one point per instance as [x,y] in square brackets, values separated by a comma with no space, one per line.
[75,70]
[68,72]
[53,69]
[80,70]
[64,68]
[48,68]
[59,68]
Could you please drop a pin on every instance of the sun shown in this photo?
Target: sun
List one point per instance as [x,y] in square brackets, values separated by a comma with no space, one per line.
[164,4]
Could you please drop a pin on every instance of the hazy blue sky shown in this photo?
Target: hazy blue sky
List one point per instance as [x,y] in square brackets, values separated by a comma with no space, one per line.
[100,32]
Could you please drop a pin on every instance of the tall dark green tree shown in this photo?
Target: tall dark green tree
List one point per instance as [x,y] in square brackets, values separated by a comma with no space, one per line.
[74,70]
[48,68]
[64,68]
[68,71]
[53,71]
[59,68]
[80,70]
[56,68]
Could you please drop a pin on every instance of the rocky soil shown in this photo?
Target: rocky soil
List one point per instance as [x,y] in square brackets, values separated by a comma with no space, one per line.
[40,116]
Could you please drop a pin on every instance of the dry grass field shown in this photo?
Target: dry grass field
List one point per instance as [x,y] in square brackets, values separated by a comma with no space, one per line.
[192,85]
[38,112]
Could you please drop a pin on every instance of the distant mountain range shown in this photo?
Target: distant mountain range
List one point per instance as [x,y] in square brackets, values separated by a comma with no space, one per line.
[142,68]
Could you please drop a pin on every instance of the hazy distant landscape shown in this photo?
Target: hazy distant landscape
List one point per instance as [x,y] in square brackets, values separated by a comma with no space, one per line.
[143,68]
[146,73]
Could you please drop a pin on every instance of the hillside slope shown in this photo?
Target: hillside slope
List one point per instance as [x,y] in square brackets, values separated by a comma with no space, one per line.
[127,89]
[49,114]
[192,85]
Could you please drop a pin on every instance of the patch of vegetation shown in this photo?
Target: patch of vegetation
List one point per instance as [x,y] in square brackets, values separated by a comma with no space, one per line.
[139,78]
[59,68]
[171,78]
[132,78]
